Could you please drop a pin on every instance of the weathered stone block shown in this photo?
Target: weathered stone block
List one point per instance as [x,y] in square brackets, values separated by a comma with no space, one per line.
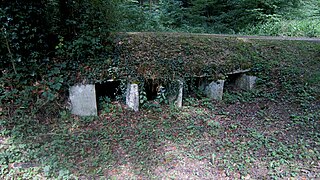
[215,90]
[175,95]
[132,96]
[83,100]
[178,101]
[246,82]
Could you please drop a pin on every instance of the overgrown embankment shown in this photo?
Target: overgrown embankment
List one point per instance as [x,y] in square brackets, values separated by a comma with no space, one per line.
[139,56]
[271,132]
[179,55]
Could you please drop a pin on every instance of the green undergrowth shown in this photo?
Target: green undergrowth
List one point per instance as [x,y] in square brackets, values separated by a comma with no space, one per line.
[309,27]
[262,134]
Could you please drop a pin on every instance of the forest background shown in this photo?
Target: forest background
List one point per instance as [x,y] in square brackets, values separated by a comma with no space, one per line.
[34,31]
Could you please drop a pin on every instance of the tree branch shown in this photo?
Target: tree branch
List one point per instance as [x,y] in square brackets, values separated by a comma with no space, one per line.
[11,57]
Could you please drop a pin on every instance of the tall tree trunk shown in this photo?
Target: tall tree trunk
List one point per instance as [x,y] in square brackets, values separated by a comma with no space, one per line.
[150,5]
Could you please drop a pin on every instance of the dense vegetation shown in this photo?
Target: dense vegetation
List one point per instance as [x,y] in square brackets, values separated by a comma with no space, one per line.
[38,33]
[263,17]
[44,36]
[47,45]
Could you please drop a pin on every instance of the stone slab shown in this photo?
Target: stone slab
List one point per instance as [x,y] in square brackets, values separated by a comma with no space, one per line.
[83,100]
[23,165]
[239,71]
[178,101]
[246,82]
[132,96]
[215,90]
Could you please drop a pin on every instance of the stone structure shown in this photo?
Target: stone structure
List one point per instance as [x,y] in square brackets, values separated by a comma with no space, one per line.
[132,96]
[239,71]
[215,90]
[178,101]
[176,94]
[83,100]
[246,82]
[83,97]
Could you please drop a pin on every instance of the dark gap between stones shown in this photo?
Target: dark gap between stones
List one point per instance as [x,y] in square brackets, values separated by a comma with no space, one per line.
[195,86]
[230,83]
[152,87]
[107,91]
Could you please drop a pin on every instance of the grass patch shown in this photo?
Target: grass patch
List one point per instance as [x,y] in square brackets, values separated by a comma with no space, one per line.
[307,27]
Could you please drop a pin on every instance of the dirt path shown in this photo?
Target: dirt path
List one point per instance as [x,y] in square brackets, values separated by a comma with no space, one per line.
[285,38]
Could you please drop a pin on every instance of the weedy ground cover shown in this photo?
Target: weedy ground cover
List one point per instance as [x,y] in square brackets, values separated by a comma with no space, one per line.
[258,136]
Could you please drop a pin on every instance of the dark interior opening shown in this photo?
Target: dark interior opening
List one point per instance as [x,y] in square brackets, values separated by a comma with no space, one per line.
[110,89]
[230,83]
[151,88]
[194,86]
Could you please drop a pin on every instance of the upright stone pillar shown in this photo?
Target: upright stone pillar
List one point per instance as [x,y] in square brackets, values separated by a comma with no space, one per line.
[178,101]
[83,100]
[132,96]
[246,82]
[215,90]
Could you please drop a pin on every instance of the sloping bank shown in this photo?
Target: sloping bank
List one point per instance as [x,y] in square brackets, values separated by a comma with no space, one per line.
[172,55]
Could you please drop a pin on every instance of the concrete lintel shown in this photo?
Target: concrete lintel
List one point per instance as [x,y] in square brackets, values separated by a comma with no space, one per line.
[239,71]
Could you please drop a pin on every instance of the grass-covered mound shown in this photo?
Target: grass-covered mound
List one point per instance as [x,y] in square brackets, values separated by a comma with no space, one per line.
[146,55]
[179,55]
